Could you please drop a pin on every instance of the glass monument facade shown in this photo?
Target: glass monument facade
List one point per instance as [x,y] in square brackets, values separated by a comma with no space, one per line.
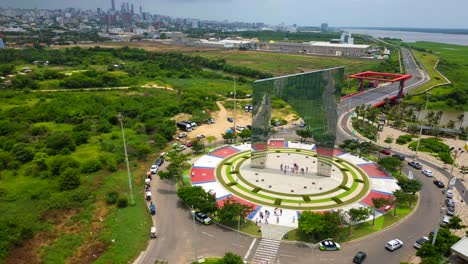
[315,96]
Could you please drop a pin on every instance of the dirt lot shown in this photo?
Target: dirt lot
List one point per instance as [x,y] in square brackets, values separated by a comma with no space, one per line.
[149,46]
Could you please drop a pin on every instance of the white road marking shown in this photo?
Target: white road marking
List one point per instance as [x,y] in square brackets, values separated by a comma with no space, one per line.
[250,249]
[205,233]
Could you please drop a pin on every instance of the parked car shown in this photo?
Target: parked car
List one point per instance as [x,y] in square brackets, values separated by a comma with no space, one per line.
[329,245]
[203,218]
[159,161]
[399,156]
[385,152]
[181,148]
[189,145]
[445,220]
[200,136]
[153,232]
[418,244]
[450,203]
[394,244]
[152,209]
[427,172]
[230,119]
[359,257]
[450,211]
[154,169]
[449,194]
[182,135]
[439,184]
[415,164]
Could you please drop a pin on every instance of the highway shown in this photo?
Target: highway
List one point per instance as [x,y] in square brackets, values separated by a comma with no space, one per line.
[176,232]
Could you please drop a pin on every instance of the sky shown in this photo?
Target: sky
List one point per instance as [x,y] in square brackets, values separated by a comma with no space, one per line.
[339,13]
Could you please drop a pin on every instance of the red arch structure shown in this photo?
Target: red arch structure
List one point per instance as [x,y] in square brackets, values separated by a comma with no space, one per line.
[382,76]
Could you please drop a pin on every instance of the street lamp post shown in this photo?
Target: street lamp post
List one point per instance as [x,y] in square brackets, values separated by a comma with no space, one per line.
[238,230]
[120,117]
[194,237]
[421,127]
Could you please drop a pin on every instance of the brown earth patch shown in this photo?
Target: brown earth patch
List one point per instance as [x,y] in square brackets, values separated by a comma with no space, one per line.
[30,250]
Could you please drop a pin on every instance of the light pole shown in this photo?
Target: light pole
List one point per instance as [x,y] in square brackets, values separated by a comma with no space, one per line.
[235,108]
[456,153]
[421,128]
[194,237]
[238,230]
[120,117]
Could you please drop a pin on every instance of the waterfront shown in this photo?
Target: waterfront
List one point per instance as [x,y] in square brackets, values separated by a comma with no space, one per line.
[408,36]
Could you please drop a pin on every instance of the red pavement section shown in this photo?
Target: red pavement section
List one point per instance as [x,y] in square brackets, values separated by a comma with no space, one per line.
[238,200]
[373,170]
[224,152]
[374,194]
[277,144]
[202,175]
[328,152]
[260,146]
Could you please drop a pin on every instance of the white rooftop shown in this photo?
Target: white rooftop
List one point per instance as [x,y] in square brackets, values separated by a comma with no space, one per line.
[338,45]
[461,248]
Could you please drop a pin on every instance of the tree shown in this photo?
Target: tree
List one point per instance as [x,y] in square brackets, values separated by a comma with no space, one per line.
[176,166]
[304,134]
[310,223]
[197,198]
[377,204]
[400,198]
[429,254]
[23,152]
[233,210]
[69,179]
[391,164]
[60,140]
[460,119]
[389,140]
[229,137]
[450,124]
[198,146]
[357,215]
[244,134]
[410,186]
[363,148]
[231,258]
[455,223]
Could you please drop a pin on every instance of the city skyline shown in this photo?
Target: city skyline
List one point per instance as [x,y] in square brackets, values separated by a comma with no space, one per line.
[354,13]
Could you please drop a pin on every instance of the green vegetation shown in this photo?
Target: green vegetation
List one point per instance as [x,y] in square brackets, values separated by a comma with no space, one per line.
[365,128]
[429,61]
[431,145]
[403,139]
[453,65]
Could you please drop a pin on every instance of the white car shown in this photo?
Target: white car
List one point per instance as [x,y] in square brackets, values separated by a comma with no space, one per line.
[200,136]
[394,244]
[449,194]
[154,169]
[427,172]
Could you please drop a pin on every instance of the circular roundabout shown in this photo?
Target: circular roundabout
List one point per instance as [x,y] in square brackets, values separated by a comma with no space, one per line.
[286,182]
[289,183]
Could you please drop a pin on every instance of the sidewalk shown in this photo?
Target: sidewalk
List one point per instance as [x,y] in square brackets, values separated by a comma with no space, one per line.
[462,207]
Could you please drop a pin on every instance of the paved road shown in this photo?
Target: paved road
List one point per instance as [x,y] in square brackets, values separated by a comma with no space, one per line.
[175,242]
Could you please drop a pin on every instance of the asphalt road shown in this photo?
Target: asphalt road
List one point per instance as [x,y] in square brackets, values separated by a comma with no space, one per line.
[178,241]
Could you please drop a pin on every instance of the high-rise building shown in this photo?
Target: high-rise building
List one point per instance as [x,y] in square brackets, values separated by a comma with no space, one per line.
[128,7]
[141,11]
[324,26]
[131,9]
[113,5]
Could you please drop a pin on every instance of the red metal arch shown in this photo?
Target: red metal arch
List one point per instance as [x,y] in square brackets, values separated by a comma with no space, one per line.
[382,76]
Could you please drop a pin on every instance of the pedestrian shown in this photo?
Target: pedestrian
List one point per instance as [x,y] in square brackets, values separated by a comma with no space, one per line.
[277,219]
[281,212]
[294,219]
[307,169]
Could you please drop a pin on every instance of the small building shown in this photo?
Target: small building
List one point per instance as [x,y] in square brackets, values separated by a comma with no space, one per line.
[461,249]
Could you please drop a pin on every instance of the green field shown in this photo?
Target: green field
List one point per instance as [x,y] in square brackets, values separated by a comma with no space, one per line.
[429,61]
[453,65]
[281,64]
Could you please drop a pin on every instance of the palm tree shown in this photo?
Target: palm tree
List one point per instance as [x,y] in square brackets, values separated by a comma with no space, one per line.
[210,139]
[460,119]
[450,124]
[430,117]
[437,118]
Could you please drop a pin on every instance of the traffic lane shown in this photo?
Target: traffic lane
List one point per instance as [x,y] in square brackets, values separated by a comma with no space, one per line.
[419,224]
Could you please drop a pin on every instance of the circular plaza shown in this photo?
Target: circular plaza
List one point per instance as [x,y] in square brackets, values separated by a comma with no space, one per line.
[290,182]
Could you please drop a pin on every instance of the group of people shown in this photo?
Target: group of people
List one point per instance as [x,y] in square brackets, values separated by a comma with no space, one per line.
[293,169]
[277,212]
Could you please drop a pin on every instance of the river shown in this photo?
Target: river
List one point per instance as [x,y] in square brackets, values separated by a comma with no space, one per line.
[408,36]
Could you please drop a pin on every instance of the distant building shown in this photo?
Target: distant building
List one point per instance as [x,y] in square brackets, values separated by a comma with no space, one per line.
[324,26]
[113,5]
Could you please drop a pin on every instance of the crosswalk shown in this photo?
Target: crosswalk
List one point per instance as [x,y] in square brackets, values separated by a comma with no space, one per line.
[266,251]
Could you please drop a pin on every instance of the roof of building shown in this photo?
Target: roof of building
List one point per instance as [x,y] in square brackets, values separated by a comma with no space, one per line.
[461,248]
[339,45]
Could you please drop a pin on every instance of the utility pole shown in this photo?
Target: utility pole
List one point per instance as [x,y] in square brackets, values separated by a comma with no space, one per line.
[120,117]
[235,108]
[194,237]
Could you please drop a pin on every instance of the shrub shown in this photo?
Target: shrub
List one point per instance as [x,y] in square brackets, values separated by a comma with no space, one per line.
[344,169]
[122,202]
[445,157]
[298,150]
[112,197]
[403,139]
[306,198]
[432,145]
[359,180]
[228,163]
[90,166]
[231,183]
[278,201]
[256,189]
